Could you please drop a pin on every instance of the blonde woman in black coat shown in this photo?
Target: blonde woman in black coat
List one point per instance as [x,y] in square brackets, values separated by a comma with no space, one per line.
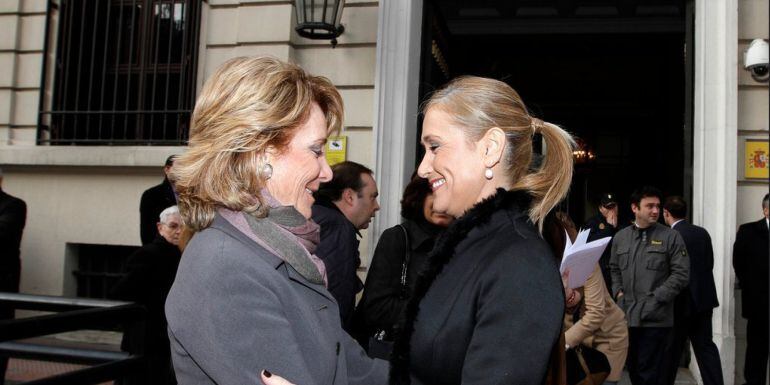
[488,308]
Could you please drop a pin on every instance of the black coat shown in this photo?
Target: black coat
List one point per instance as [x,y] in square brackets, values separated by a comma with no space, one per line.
[488,308]
[384,297]
[750,260]
[150,272]
[700,295]
[13,216]
[154,201]
[339,251]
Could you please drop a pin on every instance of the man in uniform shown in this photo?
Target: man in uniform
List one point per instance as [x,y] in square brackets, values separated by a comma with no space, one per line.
[694,306]
[750,260]
[649,267]
[602,225]
[344,205]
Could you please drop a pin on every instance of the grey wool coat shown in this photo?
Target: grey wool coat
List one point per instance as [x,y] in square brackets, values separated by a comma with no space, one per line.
[236,309]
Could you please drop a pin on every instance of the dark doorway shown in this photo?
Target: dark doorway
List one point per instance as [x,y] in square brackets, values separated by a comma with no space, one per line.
[613,73]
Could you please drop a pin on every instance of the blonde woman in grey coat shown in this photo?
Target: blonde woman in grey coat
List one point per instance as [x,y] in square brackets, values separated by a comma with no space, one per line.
[249,293]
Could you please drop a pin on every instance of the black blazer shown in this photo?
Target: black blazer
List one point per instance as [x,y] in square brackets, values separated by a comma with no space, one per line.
[154,201]
[750,260]
[13,215]
[701,291]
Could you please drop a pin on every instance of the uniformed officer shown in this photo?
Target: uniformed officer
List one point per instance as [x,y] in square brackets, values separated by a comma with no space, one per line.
[649,266]
[604,224]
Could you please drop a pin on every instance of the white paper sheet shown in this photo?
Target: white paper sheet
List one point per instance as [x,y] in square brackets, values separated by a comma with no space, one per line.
[581,257]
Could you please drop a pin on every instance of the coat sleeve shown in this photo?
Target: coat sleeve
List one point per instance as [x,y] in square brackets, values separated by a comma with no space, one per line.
[12,220]
[617,278]
[518,320]
[595,313]
[234,330]
[341,260]
[135,284]
[739,256]
[679,276]
[382,302]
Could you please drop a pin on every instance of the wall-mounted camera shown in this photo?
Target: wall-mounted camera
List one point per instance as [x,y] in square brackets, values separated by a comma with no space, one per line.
[755,60]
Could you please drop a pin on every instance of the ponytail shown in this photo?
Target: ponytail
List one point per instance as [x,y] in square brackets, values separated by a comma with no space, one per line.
[549,184]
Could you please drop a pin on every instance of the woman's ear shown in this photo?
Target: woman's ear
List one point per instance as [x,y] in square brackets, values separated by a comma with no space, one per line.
[493,145]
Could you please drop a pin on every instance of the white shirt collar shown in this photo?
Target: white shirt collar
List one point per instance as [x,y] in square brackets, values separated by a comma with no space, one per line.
[674,224]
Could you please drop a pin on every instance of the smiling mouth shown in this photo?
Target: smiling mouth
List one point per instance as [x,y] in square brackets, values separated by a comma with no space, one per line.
[436,183]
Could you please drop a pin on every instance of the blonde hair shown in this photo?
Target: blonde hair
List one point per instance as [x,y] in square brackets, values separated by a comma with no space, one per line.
[477,104]
[246,106]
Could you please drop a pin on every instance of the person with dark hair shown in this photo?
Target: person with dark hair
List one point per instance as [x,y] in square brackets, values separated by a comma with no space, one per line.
[154,200]
[649,267]
[604,224]
[694,305]
[13,217]
[750,261]
[400,255]
[343,206]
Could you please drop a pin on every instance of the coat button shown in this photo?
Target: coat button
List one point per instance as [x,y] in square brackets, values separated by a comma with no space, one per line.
[338,348]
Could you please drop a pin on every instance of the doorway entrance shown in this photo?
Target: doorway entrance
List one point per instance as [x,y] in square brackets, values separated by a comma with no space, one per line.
[613,74]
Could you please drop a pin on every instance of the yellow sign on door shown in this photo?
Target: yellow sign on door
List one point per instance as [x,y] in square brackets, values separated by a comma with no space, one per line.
[336,149]
[756,159]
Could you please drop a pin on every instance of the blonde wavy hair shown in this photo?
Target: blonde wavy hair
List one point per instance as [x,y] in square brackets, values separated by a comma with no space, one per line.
[246,106]
[477,104]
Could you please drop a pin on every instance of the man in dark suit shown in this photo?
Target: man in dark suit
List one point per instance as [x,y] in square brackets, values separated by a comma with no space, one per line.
[694,306]
[343,206]
[750,260]
[13,216]
[149,274]
[154,200]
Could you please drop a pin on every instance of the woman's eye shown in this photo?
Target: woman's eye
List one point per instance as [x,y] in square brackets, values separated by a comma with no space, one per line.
[433,147]
[318,151]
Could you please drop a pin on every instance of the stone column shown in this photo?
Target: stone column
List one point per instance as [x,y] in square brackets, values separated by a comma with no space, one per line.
[715,156]
[396,97]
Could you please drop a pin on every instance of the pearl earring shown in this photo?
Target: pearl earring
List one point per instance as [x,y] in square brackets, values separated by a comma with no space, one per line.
[267,171]
[488,173]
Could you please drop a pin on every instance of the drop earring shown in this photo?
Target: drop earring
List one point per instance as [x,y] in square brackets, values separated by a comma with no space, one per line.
[488,173]
[267,171]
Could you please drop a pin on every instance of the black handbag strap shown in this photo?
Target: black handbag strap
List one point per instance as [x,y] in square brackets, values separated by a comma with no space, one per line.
[405,264]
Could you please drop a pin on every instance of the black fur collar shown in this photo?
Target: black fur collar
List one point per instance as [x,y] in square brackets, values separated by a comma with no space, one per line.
[442,253]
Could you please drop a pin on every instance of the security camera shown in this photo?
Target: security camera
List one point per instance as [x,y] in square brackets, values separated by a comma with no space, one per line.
[755,60]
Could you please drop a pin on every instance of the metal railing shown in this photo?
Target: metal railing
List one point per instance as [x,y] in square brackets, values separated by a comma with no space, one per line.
[120,72]
[75,314]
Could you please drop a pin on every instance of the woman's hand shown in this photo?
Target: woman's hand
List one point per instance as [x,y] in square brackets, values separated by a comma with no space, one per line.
[574,299]
[271,379]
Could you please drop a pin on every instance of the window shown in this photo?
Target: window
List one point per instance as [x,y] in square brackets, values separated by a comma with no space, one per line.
[123,72]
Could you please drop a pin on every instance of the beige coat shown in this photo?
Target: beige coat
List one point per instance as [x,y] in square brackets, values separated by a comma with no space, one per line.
[602,325]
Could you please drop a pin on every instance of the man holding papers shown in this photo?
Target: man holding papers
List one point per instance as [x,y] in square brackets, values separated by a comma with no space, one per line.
[649,266]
